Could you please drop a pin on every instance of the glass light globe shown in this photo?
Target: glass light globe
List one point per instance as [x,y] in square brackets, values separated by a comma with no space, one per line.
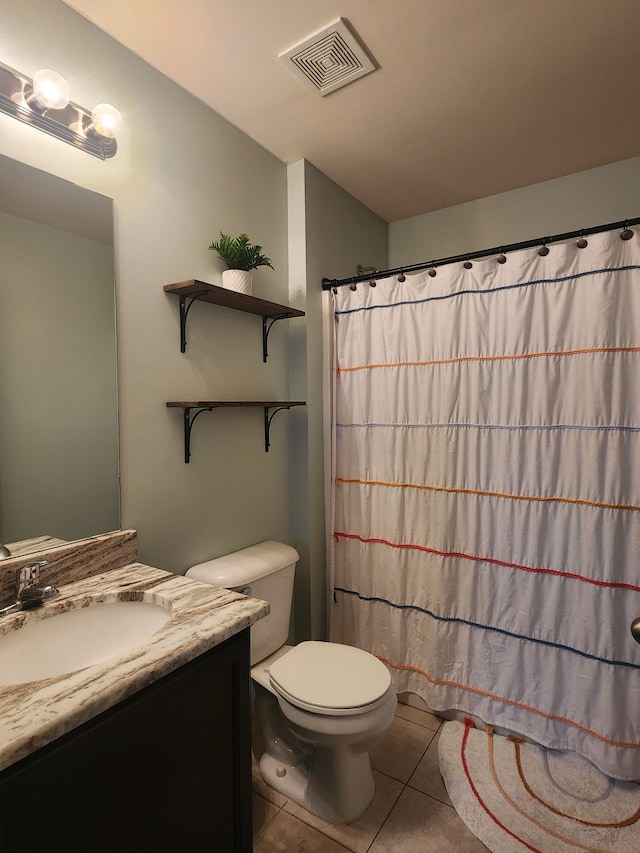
[106,120]
[51,91]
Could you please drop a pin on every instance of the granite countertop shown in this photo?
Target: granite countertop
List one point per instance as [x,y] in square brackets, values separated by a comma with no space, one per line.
[202,616]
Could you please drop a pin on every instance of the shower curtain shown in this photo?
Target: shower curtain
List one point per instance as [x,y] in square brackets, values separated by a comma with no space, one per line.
[485,502]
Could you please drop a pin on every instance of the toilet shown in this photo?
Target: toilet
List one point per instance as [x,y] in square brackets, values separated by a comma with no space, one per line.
[320,706]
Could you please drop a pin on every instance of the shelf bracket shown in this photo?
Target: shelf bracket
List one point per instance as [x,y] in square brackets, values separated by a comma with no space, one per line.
[267,323]
[267,423]
[190,411]
[184,311]
[188,426]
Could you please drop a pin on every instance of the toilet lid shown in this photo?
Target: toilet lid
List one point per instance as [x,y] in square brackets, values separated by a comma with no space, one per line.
[330,678]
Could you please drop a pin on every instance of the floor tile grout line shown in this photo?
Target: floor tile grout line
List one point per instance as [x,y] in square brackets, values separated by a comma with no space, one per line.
[380,828]
[404,786]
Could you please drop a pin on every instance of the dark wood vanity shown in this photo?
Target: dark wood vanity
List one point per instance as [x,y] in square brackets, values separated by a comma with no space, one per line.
[147,750]
[167,769]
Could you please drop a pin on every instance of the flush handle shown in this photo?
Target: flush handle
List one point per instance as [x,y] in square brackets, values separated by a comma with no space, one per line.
[635,629]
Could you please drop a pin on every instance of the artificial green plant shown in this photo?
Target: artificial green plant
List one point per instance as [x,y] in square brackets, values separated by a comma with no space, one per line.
[239,253]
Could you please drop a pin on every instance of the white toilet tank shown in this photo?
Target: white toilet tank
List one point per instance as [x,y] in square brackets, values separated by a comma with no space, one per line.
[265,571]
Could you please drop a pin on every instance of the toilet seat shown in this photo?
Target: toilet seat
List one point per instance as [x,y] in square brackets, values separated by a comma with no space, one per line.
[330,678]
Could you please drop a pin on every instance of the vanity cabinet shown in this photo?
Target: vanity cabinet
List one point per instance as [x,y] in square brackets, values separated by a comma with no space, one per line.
[167,769]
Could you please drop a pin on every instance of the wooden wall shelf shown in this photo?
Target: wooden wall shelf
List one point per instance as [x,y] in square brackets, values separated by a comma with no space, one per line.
[271,408]
[201,291]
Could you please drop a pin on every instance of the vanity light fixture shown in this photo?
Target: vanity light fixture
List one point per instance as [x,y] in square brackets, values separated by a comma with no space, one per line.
[44,103]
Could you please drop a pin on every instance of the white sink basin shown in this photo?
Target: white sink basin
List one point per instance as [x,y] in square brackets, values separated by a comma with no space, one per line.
[75,639]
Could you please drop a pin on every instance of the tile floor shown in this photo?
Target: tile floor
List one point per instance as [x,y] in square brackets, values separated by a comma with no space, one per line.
[411,810]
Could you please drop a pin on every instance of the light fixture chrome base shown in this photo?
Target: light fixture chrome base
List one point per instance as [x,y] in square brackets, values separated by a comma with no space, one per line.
[71,124]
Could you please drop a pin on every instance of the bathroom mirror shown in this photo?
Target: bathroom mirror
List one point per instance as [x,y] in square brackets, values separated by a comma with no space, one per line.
[59,472]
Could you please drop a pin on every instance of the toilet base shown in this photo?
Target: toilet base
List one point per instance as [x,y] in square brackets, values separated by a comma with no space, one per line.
[334,784]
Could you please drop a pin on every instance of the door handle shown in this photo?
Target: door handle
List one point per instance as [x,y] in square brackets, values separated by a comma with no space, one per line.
[635,629]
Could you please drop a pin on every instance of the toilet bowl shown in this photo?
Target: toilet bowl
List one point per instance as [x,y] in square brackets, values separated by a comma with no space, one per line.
[320,706]
[337,703]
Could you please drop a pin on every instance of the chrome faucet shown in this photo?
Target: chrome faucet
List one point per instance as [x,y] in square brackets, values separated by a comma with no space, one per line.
[29,591]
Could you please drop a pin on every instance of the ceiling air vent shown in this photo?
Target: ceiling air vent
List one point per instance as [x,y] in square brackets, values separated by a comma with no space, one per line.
[329,59]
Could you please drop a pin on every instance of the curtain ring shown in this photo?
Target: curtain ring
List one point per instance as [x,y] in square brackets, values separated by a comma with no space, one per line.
[353,286]
[502,258]
[402,276]
[626,233]
[432,271]
[373,283]
[544,249]
[467,264]
[335,291]
[581,242]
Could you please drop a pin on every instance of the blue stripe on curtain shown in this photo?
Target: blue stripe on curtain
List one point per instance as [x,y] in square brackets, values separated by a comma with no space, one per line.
[557,280]
[440,618]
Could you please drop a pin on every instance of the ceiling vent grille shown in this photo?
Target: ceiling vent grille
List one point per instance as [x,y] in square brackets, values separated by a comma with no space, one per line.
[329,59]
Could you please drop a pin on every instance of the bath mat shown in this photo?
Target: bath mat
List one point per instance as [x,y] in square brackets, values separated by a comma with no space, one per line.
[517,797]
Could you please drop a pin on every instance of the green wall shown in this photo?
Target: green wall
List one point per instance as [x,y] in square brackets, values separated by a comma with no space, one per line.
[594,197]
[181,175]
[330,233]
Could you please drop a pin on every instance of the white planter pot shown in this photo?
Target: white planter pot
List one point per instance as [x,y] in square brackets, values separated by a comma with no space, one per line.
[240,280]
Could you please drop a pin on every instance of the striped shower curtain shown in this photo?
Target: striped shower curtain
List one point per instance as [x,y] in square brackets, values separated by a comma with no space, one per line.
[485,521]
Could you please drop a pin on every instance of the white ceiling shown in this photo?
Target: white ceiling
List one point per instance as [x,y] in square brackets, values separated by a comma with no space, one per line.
[470,97]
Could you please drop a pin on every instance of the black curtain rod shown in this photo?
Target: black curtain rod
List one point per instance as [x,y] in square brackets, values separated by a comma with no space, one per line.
[329,283]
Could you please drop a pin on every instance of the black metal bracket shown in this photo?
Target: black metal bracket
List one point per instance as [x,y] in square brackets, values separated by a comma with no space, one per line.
[267,323]
[188,426]
[185,306]
[184,311]
[189,419]
[267,423]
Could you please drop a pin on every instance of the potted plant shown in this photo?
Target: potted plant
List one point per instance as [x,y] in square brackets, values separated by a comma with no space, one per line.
[241,256]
